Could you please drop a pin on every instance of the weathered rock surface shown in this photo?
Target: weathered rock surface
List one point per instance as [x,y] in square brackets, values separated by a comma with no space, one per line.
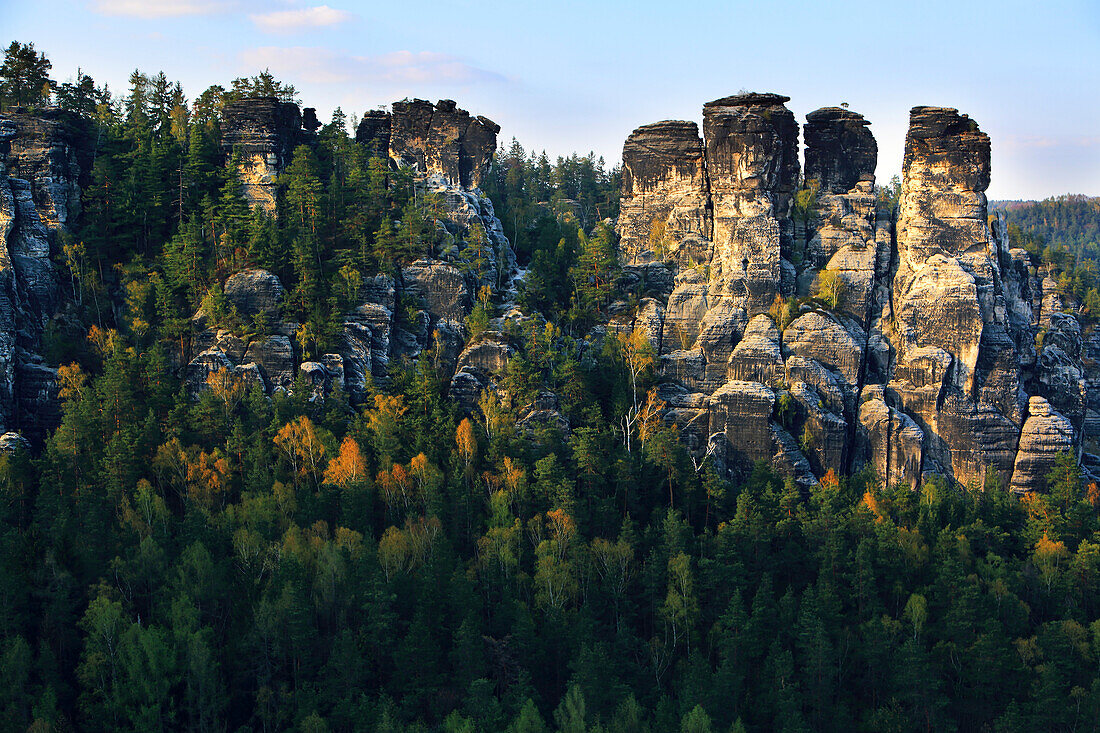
[742,411]
[255,293]
[265,132]
[374,133]
[925,357]
[439,138]
[43,158]
[891,440]
[663,205]
[757,356]
[1044,435]
[842,230]
[840,149]
[946,299]
[50,149]
[751,143]
[440,289]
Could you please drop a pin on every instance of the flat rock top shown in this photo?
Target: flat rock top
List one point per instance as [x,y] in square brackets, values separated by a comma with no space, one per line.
[763,99]
[836,114]
[672,142]
[750,390]
[666,128]
[941,122]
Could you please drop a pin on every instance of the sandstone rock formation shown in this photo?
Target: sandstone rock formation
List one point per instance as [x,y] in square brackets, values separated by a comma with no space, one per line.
[423,306]
[439,138]
[43,160]
[918,351]
[265,132]
[1044,434]
[663,207]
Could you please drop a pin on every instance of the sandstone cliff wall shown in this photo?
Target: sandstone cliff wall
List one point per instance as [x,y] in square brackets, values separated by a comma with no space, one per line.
[923,359]
[44,158]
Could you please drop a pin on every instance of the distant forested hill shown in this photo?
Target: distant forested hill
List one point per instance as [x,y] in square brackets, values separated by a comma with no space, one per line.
[1071,221]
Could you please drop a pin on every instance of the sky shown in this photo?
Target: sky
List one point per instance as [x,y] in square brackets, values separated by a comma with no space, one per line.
[565,76]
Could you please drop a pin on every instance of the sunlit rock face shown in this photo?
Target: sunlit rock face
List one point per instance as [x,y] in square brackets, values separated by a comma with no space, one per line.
[841,233]
[918,351]
[752,166]
[949,303]
[663,209]
[264,132]
[440,138]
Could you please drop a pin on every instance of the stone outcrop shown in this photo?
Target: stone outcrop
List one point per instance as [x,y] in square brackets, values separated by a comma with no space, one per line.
[840,150]
[914,349]
[373,133]
[44,158]
[663,206]
[440,138]
[1044,435]
[264,131]
[255,293]
[948,303]
[421,307]
[751,143]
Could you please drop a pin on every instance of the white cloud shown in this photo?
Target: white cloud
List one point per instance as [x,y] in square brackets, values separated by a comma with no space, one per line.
[399,69]
[161,8]
[289,21]
[1048,141]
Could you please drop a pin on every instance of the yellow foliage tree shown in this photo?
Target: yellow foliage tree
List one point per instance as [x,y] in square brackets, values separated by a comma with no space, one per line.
[638,357]
[208,480]
[348,467]
[394,552]
[466,440]
[299,442]
[829,288]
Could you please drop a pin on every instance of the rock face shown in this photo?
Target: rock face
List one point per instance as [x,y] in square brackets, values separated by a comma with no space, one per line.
[255,292]
[949,303]
[1045,434]
[914,347]
[373,133]
[43,159]
[439,138]
[840,149]
[663,206]
[265,132]
[751,143]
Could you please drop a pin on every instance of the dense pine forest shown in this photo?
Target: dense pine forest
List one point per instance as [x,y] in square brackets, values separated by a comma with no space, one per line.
[308,562]
[1064,232]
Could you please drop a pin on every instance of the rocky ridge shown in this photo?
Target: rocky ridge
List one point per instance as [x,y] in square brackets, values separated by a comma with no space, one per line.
[916,357]
[422,306]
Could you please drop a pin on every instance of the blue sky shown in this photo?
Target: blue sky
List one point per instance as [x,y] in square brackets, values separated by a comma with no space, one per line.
[570,76]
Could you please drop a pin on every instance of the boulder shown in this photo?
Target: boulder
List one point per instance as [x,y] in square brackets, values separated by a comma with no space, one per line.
[255,293]
[1045,434]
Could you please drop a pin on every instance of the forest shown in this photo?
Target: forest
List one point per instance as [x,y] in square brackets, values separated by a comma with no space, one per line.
[240,562]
